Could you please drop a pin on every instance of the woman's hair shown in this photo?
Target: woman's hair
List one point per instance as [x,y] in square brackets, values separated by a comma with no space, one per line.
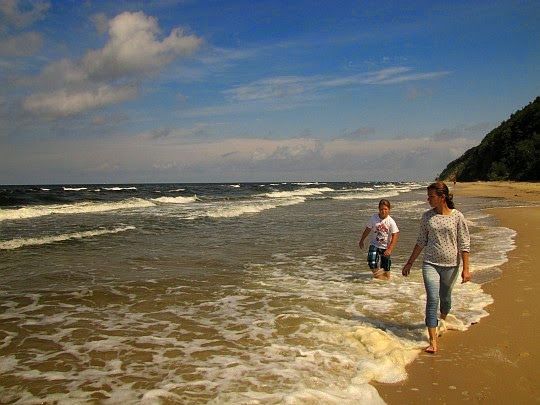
[442,189]
[385,202]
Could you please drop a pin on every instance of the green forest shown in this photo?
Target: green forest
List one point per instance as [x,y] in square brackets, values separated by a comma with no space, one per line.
[509,152]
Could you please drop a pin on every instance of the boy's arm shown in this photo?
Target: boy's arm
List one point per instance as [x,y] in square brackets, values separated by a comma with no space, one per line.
[364,236]
[389,249]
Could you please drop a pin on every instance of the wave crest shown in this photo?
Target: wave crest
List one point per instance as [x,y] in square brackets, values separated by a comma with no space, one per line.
[45,240]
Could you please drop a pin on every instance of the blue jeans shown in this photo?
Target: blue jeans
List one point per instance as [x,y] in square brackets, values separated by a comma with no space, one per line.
[439,282]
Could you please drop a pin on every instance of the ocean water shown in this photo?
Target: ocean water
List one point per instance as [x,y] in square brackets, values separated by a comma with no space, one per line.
[216,293]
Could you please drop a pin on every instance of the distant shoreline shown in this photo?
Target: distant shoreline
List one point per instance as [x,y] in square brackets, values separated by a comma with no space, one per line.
[495,361]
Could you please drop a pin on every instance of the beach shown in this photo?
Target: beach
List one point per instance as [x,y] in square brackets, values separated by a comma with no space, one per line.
[253,293]
[496,360]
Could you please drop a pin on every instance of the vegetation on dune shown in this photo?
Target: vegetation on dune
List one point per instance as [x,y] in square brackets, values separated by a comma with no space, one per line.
[509,152]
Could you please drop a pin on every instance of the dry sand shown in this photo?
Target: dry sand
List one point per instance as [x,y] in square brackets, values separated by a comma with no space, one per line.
[497,360]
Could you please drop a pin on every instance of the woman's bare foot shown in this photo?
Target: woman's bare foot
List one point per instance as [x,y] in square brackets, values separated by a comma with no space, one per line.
[432,348]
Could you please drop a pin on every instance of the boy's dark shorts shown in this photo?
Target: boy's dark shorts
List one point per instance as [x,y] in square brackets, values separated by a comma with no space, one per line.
[376,255]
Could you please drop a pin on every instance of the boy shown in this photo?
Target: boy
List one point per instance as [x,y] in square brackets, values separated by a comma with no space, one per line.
[384,235]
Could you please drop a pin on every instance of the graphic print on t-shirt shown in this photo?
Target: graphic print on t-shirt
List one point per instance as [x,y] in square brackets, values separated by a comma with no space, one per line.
[381,234]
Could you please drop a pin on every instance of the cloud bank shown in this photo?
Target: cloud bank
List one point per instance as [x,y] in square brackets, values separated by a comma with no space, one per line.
[167,157]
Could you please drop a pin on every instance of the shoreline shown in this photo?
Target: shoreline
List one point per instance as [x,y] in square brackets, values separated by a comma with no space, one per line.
[496,360]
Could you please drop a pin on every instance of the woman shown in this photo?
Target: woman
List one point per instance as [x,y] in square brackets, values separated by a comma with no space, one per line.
[445,237]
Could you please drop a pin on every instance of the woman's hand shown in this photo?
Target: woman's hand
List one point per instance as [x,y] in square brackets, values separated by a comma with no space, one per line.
[406,269]
[465,276]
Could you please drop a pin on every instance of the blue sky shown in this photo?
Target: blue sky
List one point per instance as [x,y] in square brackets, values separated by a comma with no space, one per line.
[213,91]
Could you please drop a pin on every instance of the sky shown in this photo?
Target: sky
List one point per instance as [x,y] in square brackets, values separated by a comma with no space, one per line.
[256,90]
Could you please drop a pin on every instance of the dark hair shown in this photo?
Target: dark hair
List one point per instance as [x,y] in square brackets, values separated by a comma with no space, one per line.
[442,189]
[385,202]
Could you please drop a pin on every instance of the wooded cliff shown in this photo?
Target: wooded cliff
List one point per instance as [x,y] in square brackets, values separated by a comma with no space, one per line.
[509,152]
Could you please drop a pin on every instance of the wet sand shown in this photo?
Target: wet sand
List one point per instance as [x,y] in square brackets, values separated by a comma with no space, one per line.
[496,361]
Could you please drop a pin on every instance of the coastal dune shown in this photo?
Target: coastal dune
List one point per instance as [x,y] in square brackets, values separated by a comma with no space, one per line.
[497,360]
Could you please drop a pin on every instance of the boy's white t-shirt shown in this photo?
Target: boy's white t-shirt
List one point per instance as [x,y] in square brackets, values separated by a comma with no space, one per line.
[381,231]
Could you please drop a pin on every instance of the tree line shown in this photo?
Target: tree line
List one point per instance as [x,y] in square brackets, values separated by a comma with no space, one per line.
[509,152]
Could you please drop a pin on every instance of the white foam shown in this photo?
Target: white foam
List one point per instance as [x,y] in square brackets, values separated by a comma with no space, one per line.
[157,396]
[7,364]
[351,395]
[68,209]
[176,200]
[366,196]
[237,209]
[355,190]
[308,184]
[303,192]
[279,337]
[45,240]
[377,191]
[469,301]
[388,357]
[491,247]
[118,188]
[6,341]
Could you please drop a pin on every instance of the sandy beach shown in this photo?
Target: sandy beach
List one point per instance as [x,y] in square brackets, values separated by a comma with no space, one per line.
[497,360]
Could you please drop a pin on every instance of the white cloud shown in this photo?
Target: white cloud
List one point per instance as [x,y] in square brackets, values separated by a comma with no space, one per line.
[358,134]
[64,103]
[167,158]
[21,13]
[288,92]
[271,89]
[295,87]
[375,77]
[101,22]
[398,74]
[132,52]
[21,45]
[133,48]
[290,151]
[411,77]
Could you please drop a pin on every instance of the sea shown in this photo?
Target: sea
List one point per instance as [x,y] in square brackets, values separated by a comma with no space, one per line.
[240,293]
